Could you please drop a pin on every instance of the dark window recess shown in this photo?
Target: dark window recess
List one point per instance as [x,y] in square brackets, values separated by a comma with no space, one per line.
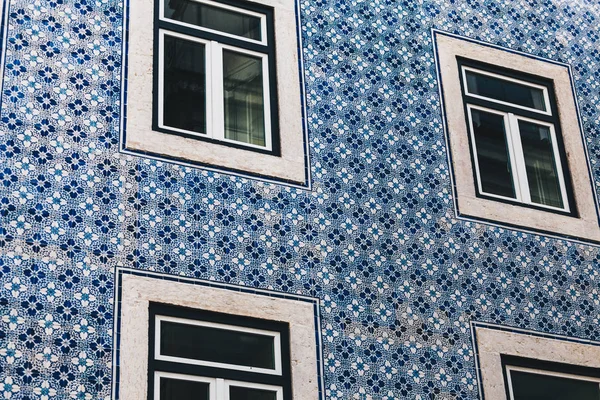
[506,91]
[243,98]
[492,153]
[515,138]
[243,393]
[184,85]
[245,359]
[180,389]
[531,386]
[217,345]
[215,18]
[218,81]
[544,186]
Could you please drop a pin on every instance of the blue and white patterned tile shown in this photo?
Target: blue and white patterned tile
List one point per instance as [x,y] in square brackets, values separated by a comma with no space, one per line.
[376,239]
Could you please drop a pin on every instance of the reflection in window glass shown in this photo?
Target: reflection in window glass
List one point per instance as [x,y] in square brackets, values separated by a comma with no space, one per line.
[544,186]
[179,389]
[244,393]
[184,84]
[492,154]
[217,345]
[529,386]
[216,18]
[244,98]
[506,91]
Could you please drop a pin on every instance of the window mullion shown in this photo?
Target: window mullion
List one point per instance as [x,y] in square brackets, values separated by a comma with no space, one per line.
[221,390]
[267,101]
[209,88]
[217,100]
[520,171]
[161,76]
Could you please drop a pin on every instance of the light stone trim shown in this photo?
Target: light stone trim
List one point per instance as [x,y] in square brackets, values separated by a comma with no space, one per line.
[138,292]
[586,224]
[493,343]
[139,136]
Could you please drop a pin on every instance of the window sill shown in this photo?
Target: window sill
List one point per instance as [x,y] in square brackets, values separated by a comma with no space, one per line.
[518,216]
[289,166]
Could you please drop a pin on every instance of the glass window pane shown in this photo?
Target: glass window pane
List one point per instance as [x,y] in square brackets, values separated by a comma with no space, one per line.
[542,176]
[527,386]
[217,345]
[184,84]
[216,18]
[492,154]
[179,389]
[509,92]
[244,98]
[243,393]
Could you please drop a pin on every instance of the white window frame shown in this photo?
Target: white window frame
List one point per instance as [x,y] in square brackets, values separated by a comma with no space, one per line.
[286,163]
[517,159]
[218,387]
[582,223]
[218,93]
[510,368]
[508,79]
[275,335]
[212,388]
[161,87]
[136,291]
[215,113]
[263,21]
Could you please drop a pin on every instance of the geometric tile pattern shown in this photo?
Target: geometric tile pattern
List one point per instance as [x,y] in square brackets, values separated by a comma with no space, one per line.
[376,239]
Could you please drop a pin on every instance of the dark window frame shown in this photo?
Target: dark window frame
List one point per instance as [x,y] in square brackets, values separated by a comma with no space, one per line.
[553,119]
[268,49]
[284,380]
[542,365]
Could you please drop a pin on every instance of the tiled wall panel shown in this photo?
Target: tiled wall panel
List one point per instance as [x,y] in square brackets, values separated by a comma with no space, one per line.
[376,239]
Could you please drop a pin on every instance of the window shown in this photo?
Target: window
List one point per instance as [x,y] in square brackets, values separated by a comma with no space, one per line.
[529,380]
[516,149]
[216,85]
[515,137]
[204,355]
[214,73]
[175,336]
[519,364]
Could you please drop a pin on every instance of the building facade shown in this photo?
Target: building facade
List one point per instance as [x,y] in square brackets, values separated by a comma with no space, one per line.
[400,196]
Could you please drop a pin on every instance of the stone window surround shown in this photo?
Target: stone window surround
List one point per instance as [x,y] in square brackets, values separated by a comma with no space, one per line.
[138,291]
[491,343]
[585,226]
[137,136]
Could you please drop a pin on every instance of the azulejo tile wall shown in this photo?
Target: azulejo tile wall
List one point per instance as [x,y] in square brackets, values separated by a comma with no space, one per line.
[376,239]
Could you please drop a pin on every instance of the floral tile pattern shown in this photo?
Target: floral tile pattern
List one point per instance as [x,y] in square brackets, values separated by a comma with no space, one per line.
[399,277]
